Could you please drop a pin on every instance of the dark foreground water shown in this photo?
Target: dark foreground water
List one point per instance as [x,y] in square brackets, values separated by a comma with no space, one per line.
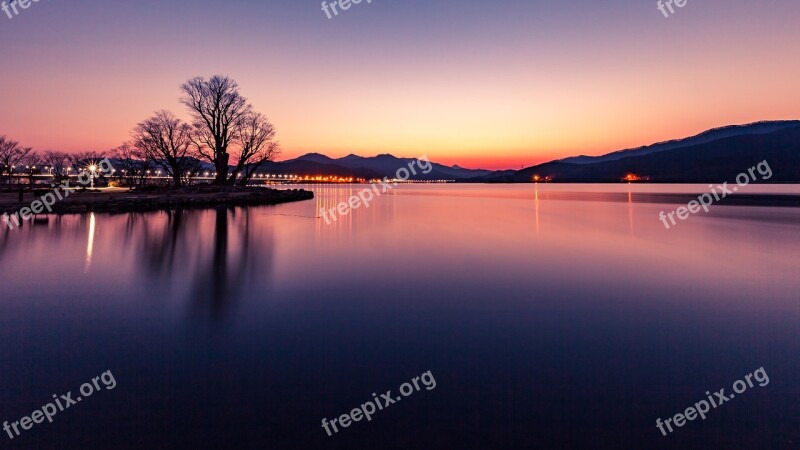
[557,317]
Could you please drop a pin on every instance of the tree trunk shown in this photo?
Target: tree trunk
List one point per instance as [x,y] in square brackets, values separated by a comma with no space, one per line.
[247,175]
[222,169]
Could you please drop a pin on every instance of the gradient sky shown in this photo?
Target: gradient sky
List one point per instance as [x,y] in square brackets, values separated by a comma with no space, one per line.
[493,84]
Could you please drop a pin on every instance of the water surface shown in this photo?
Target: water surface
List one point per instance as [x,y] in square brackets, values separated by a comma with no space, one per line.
[551,316]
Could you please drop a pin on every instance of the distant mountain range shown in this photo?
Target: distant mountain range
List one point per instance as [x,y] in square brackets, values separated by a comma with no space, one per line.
[367,167]
[713,156]
[712,135]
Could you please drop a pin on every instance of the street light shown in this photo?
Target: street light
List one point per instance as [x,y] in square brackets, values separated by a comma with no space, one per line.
[92,169]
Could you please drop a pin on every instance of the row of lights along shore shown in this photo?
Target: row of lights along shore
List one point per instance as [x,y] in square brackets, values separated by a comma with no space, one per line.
[258,176]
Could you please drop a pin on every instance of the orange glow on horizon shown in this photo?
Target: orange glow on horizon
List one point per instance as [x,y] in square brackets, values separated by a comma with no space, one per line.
[514,98]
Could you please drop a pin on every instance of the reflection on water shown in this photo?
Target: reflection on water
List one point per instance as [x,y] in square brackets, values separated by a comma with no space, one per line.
[90,243]
[536,206]
[630,207]
[215,253]
[215,246]
[552,316]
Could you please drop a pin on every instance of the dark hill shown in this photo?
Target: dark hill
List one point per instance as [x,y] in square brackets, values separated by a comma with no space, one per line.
[716,161]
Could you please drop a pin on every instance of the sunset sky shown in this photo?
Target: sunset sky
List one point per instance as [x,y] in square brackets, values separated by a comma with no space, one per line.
[482,84]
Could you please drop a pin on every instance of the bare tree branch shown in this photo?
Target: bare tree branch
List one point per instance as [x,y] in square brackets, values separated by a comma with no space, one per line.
[12,158]
[59,163]
[217,110]
[166,141]
[255,136]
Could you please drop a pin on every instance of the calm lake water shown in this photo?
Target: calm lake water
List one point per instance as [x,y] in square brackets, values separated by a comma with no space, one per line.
[561,316]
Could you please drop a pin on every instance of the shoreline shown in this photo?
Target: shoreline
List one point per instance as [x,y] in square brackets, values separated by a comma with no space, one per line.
[123,200]
[781,200]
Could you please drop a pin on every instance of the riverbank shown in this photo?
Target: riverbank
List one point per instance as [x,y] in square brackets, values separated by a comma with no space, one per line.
[120,200]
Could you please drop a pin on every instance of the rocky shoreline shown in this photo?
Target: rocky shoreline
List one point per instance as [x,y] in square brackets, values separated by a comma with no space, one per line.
[124,200]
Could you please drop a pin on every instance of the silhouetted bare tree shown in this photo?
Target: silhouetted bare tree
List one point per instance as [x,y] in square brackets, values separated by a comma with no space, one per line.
[166,140]
[217,110]
[256,146]
[32,164]
[58,163]
[132,163]
[193,168]
[82,161]
[11,155]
